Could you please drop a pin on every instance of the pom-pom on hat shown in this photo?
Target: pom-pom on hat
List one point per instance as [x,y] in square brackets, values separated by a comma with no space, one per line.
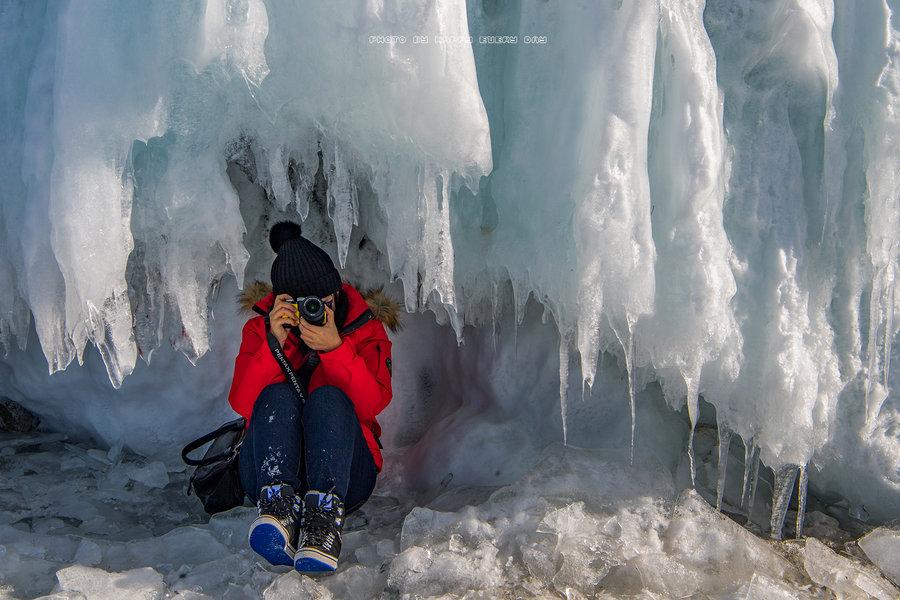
[300,267]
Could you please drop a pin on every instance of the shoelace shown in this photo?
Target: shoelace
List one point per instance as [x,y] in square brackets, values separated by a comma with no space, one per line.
[319,523]
[320,528]
[285,506]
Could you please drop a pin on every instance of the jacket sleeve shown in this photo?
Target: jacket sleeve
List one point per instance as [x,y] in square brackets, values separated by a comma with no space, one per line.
[254,368]
[361,369]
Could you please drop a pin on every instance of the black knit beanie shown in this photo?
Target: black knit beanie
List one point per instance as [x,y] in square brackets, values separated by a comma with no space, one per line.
[300,268]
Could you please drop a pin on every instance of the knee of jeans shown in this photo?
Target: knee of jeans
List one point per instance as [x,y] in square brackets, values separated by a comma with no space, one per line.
[327,398]
[276,397]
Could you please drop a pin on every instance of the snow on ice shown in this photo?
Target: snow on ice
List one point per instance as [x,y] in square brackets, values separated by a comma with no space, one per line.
[578,524]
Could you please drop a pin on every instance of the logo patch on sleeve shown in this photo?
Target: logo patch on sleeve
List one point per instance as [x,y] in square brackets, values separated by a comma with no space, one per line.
[387,362]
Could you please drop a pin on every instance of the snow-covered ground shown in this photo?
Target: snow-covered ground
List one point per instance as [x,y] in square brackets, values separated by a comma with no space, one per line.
[77,522]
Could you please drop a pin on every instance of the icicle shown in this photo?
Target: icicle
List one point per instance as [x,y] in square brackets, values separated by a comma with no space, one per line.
[749,455]
[628,351]
[563,381]
[693,405]
[343,204]
[494,304]
[597,377]
[515,341]
[725,435]
[520,300]
[519,312]
[781,497]
[881,304]
[753,482]
[631,389]
[801,500]
[888,333]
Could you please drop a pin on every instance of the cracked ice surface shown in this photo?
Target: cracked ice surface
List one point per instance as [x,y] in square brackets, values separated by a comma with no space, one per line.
[579,524]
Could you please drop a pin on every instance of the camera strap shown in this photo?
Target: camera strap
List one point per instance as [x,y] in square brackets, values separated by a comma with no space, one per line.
[300,381]
[312,358]
[289,373]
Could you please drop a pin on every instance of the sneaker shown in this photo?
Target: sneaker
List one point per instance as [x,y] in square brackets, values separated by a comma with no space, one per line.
[272,533]
[319,543]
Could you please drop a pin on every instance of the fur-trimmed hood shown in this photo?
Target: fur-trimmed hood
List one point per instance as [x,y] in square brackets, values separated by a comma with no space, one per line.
[385,308]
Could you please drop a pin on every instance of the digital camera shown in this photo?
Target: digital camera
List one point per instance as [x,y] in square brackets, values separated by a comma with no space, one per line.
[311,308]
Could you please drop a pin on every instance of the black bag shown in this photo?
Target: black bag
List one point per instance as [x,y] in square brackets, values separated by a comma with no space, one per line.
[216,480]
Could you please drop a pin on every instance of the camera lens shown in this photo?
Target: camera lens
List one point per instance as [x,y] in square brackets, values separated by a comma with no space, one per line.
[313,310]
[312,305]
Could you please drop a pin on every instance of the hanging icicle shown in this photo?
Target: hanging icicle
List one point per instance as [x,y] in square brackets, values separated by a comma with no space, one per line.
[725,435]
[627,342]
[749,455]
[802,483]
[782,491]
[693,406]
[563,382]
[754,482]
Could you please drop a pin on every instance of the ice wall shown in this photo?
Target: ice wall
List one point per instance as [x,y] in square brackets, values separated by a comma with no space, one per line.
[129,112]
[706,190]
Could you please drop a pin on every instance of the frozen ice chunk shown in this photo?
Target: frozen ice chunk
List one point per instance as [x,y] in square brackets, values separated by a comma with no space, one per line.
[72,463]
[152,474]
[189,595]
[97,584]
[184,545]
[193,574]
[385,548]
[115,452]
[766,588]
[28,560]
[439,570]
[88,553]
[99,456]
[582,554]
[356,581]
[374,555]
[843,576]
[293,586]
[711,542]
[882,546]
[421,524]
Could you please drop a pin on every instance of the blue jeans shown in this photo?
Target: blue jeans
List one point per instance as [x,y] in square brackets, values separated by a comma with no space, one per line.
[316,446]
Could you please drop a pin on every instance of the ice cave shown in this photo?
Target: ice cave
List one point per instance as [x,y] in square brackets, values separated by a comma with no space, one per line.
[646,253]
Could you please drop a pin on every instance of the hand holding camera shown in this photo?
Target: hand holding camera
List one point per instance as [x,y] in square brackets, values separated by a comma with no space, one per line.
[324,337]
[313,318]
[282,317]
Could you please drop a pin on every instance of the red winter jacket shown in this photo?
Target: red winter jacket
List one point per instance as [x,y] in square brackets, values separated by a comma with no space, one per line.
[360,366]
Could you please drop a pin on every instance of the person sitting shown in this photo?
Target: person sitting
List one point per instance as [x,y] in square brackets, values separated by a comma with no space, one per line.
[308,465]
